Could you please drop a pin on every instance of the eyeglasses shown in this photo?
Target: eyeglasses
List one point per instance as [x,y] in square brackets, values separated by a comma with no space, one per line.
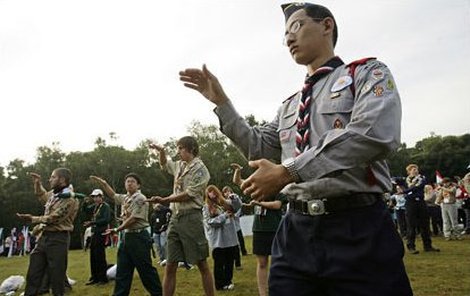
[295,27]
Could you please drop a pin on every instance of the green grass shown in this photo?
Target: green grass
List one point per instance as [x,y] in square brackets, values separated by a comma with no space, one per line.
[431,274]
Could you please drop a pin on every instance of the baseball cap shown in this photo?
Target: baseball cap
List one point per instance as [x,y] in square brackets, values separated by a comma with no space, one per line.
[97,192]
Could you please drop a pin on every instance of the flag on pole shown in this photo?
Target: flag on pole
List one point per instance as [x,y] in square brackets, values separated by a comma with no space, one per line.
[26,242]
[438,177]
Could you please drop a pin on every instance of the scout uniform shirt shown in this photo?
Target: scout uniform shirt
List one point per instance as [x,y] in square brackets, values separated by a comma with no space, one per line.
[191,178]
[350,133]
[59,213]
[134,205]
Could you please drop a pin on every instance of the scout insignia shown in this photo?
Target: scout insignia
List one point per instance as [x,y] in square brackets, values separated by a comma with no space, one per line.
[341,83]
[338,123]
[367,87]
[284,135]
[378,90]
[390,85]
[378,74]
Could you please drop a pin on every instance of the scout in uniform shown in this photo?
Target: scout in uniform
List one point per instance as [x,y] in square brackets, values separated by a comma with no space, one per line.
[134,250]
[53,229]
[186,241]
[331,140]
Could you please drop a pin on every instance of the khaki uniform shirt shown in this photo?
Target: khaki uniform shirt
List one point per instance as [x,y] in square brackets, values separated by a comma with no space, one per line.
[191,178]
[350,135]
[59,213]
[134,205]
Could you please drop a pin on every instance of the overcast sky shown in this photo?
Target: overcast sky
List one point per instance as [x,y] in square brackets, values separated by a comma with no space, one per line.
[72,71]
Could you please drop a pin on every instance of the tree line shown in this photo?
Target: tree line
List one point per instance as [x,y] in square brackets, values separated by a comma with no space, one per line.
[449,154]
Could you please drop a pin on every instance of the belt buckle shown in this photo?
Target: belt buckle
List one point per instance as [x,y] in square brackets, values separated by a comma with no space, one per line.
[316,207]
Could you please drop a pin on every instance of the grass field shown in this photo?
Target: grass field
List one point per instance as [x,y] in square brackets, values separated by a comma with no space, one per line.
[431,274]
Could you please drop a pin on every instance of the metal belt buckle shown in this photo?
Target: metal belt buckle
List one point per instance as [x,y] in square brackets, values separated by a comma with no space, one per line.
[316,207]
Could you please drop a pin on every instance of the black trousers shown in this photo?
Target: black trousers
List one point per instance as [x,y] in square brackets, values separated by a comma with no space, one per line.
[401,220]
[134,253]
[436,219]
[417,217]
[223,266]
[98,263]
[355,252]
[240,248]
[49,256]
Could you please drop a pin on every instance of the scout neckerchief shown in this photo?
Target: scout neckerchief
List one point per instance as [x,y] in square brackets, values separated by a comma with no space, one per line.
[127,203]
[303,121]
[97,210]
[55,198]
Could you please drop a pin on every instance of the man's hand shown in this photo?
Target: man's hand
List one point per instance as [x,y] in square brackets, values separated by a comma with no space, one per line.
[236,166]
[156,199]
[204,82]
[109,231]
[35,177]
[25,217]
[157,147]
[266,181]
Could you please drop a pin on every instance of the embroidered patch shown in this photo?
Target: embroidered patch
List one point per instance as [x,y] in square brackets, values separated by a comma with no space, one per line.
[378,90]
[390,85]
[338,123]
[378,74]
[341,83]
[284,135]
[366,87]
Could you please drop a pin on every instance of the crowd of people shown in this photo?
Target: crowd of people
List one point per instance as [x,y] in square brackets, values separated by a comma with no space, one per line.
[439,209]
[323,154]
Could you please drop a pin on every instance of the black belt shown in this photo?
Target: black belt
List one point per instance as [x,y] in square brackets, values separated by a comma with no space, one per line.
[315,207]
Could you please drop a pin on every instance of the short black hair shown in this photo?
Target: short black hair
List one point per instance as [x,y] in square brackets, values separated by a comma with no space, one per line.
[318,11]
[314,11]
[190,144]
[64,173]
[134,176]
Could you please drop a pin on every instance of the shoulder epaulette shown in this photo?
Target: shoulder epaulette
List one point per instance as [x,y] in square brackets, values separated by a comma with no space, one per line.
[290,98]
[352,70]
[359,62]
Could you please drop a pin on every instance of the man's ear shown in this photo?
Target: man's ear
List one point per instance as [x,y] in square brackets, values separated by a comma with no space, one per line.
[329,25]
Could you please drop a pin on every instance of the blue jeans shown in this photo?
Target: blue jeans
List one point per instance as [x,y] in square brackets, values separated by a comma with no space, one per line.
[159,239]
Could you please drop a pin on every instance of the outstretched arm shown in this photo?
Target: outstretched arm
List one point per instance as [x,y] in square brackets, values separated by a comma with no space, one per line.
[106,187]
[203,81]
[39,190]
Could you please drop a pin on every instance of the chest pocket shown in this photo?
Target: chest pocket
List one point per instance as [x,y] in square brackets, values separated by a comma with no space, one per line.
[336,112]
[287,127]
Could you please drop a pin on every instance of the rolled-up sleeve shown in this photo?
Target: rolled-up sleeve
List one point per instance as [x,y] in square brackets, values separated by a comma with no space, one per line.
[372,133]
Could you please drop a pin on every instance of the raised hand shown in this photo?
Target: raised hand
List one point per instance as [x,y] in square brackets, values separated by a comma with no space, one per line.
[35,177]
[157,147]
[204,82]
[236,166]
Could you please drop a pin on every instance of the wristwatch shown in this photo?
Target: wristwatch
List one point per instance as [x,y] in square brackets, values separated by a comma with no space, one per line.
[289,164]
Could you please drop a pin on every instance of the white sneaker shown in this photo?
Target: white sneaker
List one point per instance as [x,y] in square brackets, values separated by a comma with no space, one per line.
[229,287]
[163,262]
